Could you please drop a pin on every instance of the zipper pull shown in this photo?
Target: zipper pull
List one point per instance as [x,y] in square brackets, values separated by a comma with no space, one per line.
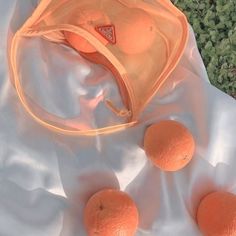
[118,112]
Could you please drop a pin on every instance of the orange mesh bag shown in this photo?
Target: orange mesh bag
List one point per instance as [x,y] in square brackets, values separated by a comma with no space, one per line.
[140,42]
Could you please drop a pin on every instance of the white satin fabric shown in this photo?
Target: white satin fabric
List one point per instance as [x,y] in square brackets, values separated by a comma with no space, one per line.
[46,179]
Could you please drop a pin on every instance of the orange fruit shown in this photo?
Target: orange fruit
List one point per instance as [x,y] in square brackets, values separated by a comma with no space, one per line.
[135,31]
[111,213]
[135,66]
[87,19]
[169,145]
[216,215]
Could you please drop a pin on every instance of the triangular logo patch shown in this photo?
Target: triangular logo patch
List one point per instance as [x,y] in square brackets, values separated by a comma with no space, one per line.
[107,32]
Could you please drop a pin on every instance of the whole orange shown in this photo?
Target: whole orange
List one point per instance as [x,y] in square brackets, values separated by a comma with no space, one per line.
[87,19]
[169,145]
[111,213]
[135,31]
[216,215]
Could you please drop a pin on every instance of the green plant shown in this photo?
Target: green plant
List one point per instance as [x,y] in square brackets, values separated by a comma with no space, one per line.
[214,24]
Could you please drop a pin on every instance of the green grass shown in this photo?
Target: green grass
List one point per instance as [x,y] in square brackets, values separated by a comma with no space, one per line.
[214,24]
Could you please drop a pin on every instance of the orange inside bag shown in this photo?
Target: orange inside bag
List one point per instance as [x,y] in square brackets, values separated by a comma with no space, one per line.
[139,42]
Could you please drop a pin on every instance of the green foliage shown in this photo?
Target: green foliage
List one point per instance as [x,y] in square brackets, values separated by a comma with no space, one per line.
[214,24]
